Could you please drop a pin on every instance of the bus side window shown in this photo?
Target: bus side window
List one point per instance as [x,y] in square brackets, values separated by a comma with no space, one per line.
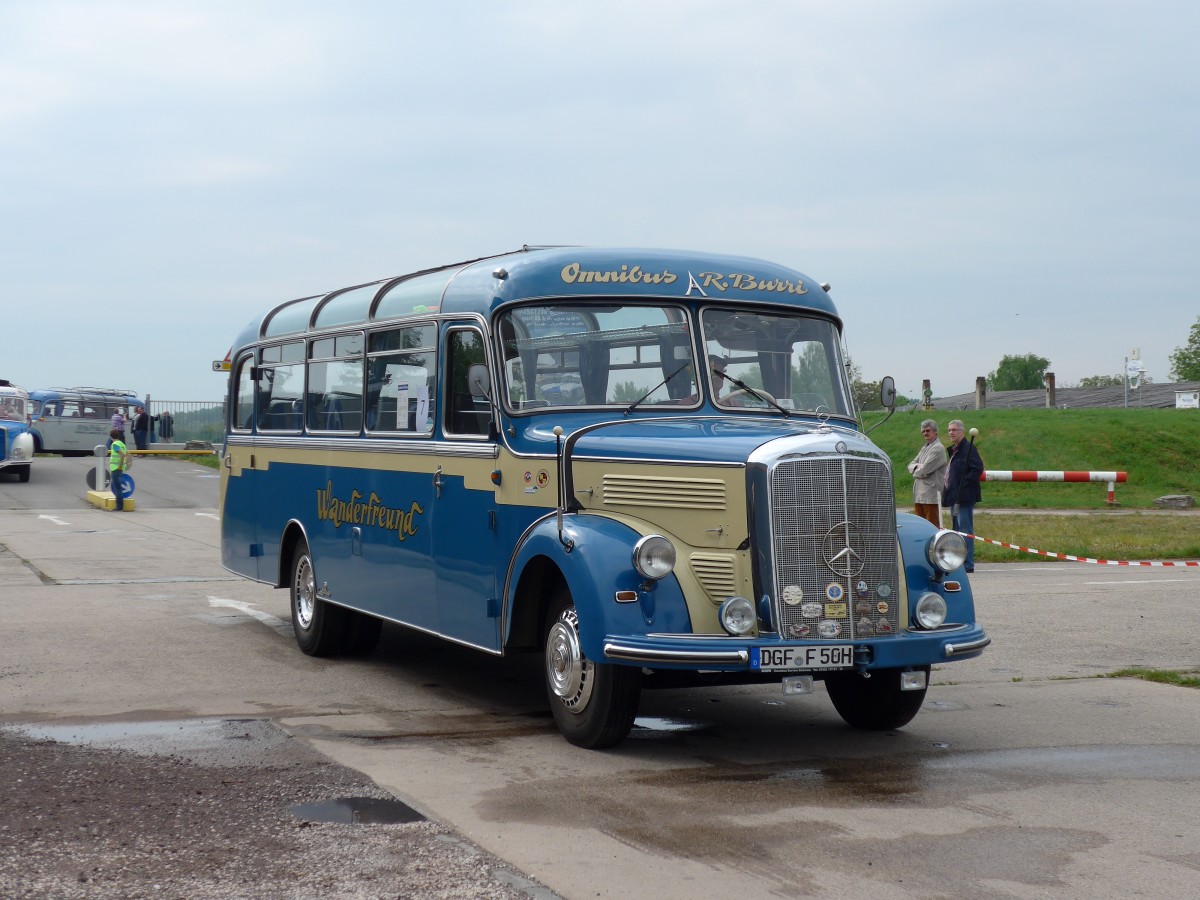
[401,364]
[243,402]
[335,383]
[466,414]
[280,398]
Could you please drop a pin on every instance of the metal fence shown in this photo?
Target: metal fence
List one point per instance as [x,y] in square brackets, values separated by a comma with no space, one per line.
[180,421]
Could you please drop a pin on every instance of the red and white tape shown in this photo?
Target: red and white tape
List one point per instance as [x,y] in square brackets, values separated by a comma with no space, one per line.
[1087,559]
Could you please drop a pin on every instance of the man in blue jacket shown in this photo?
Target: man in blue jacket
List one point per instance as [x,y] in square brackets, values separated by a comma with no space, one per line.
[962,484]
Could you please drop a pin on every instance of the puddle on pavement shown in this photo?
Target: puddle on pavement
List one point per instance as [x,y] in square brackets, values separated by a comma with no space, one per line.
[231,742]
[357,811]
[652,726]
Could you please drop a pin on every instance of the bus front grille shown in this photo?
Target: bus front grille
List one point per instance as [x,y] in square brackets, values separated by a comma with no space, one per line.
[833,523]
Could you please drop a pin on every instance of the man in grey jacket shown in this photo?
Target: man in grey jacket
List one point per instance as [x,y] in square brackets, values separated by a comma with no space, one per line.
[928,470]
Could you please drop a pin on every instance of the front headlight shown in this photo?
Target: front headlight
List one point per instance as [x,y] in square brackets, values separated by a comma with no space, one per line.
[946,550]
[737,615]
[931,610]
[654,557]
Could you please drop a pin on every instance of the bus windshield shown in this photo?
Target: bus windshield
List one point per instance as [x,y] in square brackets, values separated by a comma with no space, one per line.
[792,359]
[14,409]
[569,354]
[613,354]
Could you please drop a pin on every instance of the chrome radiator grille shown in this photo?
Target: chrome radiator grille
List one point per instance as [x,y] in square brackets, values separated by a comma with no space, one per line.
[833,523]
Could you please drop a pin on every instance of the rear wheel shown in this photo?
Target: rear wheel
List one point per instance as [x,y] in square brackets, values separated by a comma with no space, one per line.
[319,626]
[875,703]
[594,704]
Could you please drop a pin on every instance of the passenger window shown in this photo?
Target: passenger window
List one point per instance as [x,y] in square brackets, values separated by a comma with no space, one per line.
[243,402]
[281,390]
[335,386]
[467,414]
[401,367]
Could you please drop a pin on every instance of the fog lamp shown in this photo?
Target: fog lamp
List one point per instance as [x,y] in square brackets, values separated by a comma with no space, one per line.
[737,615]
[931,610]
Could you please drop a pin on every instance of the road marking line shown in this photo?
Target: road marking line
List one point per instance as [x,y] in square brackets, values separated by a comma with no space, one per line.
[55,519]
[284,628]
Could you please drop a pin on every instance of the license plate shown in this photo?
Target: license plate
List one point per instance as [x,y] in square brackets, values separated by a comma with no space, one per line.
[801,659]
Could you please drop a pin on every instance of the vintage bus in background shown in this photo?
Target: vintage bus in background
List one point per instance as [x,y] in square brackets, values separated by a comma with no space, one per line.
[16,444]
[72,421]
[645,465]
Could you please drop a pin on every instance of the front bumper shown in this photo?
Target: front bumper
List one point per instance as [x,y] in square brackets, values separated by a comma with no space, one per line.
[732,654]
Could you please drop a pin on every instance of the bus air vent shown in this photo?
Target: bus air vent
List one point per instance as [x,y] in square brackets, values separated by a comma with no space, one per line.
[662,491]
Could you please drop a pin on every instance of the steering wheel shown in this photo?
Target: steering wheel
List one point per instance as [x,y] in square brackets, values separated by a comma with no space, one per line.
[753,395]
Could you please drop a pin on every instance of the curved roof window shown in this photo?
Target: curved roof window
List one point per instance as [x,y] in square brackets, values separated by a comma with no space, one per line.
[413,296]
[291,317]
[346,307]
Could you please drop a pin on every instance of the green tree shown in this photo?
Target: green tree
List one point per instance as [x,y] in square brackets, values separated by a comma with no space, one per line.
[1018,373]
[1098,381]
[866,393]
[1185,361]
[628,391]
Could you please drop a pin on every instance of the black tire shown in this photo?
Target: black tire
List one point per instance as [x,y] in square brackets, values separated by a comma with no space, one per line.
[594,704]
[875,703]
[320,627]
[24,472]
[362,633]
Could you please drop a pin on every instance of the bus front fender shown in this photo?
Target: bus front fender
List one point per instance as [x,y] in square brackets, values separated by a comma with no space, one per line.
[594,559]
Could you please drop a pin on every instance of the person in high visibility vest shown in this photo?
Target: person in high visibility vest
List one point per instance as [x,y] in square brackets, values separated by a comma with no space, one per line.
[118,462]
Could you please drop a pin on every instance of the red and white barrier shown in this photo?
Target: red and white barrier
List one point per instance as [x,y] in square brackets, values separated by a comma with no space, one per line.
[1110,477]
[1088,559]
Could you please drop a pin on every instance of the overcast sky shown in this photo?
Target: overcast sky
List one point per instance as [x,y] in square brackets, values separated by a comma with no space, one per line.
[974,179]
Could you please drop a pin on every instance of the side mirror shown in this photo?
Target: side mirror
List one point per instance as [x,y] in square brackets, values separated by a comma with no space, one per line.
[480,381]
[887,392]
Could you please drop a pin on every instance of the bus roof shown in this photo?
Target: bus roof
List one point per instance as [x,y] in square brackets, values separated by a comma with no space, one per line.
[88,391]
[480,285]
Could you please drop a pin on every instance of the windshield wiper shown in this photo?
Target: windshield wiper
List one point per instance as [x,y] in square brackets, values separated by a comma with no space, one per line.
[749,390]
[634,405]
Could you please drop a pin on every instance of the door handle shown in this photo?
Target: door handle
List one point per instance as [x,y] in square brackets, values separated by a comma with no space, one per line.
[437,481]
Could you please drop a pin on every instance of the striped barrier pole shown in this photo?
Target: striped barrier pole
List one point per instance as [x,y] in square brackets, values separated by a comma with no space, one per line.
[1110,477]
[1087,559]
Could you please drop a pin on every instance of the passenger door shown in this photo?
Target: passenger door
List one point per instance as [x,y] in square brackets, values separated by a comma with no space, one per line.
[464,503]
[239,498]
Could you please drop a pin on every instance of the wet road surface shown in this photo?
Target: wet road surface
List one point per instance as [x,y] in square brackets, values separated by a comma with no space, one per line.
[1025,775]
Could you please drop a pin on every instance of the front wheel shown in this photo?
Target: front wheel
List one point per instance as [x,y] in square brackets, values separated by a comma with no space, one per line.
[594,704]
[319,626]
[24,472]
[875,703]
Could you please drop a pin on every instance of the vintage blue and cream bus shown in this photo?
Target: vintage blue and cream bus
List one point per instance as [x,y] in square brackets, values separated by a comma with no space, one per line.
[645,465]
[72,421]
[16,443]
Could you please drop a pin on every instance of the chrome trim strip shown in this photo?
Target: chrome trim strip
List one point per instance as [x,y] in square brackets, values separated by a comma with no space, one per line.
[968,647]
[403,446]
[941,629]
[613,650]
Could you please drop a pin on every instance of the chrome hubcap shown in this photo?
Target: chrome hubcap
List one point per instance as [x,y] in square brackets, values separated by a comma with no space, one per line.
[568,671]
[305,593]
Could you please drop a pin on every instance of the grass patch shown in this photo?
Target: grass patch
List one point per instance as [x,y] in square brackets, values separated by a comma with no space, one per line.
[1103,535]
[207,459]
[1187,678]
[1158,448]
